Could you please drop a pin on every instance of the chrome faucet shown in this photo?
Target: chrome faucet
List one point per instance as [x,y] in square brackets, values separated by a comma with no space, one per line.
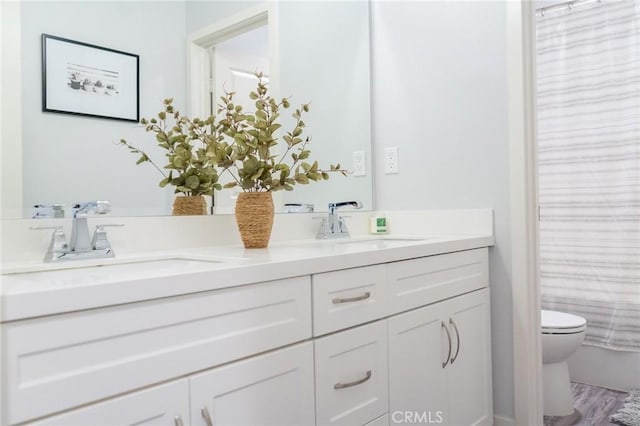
[80,239]
[334,226]
[81,245]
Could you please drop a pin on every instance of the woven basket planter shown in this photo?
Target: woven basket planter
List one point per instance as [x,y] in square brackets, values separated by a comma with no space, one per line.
[254,216]
[189,205]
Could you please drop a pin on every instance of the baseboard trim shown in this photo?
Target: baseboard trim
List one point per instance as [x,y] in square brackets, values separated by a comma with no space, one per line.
[503,421]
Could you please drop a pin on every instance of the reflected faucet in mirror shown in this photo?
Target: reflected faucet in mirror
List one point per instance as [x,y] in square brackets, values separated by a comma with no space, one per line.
[81,246]
[334,226]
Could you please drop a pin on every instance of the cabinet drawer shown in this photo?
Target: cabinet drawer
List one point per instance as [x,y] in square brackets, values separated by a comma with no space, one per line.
[62,361]
[351,376]
[419,282]
[163,405]
[342,299]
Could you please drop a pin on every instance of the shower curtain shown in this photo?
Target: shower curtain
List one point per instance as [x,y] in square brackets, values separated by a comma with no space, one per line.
[588,77]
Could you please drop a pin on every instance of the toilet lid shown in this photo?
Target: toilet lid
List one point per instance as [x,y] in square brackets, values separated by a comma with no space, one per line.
[553,320]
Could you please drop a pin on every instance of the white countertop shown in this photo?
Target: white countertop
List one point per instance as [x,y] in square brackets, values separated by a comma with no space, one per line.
[37,289]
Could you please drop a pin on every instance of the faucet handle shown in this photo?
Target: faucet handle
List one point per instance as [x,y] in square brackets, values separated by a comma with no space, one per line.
[58,243]
[98,207]
[100,240]
[41,228]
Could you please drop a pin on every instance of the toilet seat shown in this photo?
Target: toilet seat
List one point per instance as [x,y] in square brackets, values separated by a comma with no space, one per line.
[554,322]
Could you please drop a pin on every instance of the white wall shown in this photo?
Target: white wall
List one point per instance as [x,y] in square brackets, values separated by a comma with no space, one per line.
[440,95]
[51,141]
[329,69]
[10,119]
[200,14]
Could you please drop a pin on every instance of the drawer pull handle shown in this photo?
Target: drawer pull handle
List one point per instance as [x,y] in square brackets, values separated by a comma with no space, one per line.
[354,383]
[455,327]
[444,364]
[177,420]
[207,417]
[339,300]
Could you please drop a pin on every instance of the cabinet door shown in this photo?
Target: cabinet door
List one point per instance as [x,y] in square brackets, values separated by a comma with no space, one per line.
[271,389]
[163,405]
[469,371]
[418,348]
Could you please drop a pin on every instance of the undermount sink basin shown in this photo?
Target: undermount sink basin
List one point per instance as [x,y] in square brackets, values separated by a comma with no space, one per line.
[118,267]
[364,242]
[378,240]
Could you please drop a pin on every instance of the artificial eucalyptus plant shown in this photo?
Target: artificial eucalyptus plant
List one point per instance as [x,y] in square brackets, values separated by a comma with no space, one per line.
[245,145]
[189,168]
[242,144]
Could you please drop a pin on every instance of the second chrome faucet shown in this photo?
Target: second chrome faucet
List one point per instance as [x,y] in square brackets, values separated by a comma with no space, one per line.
[334,226]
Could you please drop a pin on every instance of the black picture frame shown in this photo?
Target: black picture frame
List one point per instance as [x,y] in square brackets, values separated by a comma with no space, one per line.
[88,80]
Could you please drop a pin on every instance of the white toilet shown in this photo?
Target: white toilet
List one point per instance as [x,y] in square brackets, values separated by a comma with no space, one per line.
[562,334]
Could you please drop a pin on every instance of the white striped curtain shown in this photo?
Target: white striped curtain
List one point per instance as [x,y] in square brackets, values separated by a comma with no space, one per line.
[588,75]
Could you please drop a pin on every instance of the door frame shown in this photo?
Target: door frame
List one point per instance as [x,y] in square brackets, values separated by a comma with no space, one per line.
[527,342]
[200,42]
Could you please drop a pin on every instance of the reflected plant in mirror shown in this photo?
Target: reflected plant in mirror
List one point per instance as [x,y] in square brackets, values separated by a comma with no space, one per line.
[190,169]
[244,144]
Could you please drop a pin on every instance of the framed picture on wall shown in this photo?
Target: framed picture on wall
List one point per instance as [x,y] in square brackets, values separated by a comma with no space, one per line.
[83,79]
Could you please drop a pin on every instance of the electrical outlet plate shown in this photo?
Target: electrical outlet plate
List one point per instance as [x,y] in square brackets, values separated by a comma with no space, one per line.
[391,160]
[359,163]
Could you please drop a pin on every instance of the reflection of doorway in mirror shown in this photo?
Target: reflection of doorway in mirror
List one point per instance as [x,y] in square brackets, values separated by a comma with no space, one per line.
[234,63]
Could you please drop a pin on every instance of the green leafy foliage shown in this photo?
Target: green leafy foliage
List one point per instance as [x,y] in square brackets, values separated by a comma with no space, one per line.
[190,171]
[239,143]
[248,147]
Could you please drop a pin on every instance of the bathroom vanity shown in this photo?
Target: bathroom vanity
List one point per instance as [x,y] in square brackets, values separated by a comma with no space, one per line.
[369,331]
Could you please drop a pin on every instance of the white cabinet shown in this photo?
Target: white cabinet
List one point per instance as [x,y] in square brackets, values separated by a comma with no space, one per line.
[63,361]
[402,342]
[271,389]
[440,362]
[351,376]
[163,405]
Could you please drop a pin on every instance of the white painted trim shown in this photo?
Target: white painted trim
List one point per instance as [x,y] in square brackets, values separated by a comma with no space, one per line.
[199,43]
[527,348]
[11,131]
[11,116]
[197,81]
[503,421]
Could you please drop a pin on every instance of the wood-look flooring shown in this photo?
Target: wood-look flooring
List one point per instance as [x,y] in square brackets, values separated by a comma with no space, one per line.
[595,405]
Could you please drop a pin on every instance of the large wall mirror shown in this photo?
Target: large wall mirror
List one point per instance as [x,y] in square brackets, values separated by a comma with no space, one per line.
[319,54]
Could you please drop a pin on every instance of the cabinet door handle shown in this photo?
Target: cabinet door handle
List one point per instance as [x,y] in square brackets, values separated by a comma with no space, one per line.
[354,383]
[207,417]
[444,364]
[339,300]
[177,421]
[455,327]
